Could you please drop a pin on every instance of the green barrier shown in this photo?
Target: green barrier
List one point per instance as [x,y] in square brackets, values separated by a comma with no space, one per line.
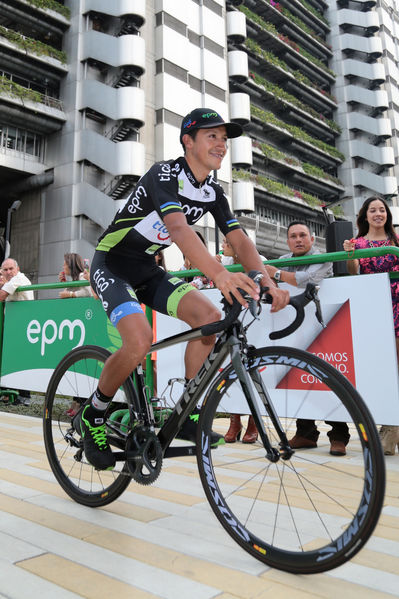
[51,328]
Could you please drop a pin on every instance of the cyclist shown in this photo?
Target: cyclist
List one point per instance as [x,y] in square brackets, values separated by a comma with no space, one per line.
[170,197]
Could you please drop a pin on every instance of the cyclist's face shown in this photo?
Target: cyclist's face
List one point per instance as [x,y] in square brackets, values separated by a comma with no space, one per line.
[299,240]
[208,149]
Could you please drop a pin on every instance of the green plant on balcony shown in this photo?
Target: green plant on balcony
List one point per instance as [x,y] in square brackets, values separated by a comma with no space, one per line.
[18,91]
[280,95]
[284,11]
[270,28]
[31,45]
[314,11]
[271,58]
[268,118]
[316,171]
[51,5]
[275,154]
[310,169]
[276,188]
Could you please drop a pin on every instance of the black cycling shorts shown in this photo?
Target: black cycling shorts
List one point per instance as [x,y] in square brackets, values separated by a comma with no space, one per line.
[122,286]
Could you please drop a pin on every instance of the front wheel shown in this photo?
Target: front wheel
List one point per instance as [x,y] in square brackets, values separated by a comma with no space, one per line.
[72,383]
[313,511]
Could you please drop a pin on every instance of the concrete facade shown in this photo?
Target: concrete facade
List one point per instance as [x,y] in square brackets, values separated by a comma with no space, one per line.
[315,87]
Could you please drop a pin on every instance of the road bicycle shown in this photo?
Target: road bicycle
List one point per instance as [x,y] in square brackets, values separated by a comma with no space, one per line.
[301,511]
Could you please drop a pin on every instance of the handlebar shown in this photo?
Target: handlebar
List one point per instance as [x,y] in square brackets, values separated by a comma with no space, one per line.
[297,301]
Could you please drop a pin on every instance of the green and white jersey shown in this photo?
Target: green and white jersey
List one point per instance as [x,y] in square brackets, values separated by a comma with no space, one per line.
[169,186]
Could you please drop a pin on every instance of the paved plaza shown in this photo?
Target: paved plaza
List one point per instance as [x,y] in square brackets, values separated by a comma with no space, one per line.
[157,541]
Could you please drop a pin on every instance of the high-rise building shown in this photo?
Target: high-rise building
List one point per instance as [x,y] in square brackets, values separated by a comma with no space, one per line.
[92,92]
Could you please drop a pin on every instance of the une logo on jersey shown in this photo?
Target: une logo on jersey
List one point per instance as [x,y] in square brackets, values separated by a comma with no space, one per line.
[163,233]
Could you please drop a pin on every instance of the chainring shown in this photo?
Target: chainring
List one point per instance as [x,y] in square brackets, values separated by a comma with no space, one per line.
[146,462]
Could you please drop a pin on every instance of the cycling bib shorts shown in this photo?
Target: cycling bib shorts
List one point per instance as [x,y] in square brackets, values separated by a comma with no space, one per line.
[122,288]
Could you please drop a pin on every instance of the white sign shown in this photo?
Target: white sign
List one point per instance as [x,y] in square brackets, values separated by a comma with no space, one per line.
[359,341]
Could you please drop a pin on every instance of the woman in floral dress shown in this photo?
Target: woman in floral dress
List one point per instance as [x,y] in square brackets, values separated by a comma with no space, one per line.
[375,230]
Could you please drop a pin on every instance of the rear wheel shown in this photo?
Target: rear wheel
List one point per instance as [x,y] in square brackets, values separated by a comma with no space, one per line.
[309,512]
[74,380]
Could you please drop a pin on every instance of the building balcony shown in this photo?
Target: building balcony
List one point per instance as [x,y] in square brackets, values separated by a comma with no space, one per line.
[117,8]
[275,73]
[282,103]
[383,185]
[114,51]
[241,151]
[45,21]
[286,168]
[123,103]
[369,21]
[236,26]
[243,197]
[369,46]
[383,156]
[44,70]
[354,69]
[285,48]
[29,109]
[380,128]
[283,138]
[375,99]
[123,158]
[238,65]
[240,108]
[320,26]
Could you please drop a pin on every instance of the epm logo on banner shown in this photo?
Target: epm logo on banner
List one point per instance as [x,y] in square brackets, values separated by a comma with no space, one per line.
[49,332]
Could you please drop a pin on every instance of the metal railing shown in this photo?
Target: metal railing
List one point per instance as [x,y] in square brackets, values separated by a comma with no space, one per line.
[312,259]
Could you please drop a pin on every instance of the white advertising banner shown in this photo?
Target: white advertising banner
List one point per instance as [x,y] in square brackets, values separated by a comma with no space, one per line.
[359,341]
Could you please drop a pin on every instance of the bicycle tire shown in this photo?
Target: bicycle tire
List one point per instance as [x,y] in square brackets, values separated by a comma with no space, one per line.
[314,511]
[76,377]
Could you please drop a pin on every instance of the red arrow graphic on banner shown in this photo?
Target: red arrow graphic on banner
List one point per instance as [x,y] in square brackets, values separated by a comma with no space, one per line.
[334,345]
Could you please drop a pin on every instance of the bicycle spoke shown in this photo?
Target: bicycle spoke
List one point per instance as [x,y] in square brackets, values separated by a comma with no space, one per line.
[306,512]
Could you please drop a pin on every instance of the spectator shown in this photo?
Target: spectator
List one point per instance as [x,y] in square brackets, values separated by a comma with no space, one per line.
[300,242]
[160,259]
[227,257]
[74,268]
[375,229]
[2,279]
[200,282]
[14,278]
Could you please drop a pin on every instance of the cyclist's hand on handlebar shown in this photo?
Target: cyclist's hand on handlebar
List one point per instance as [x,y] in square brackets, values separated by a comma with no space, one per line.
[281,297]
[230,282]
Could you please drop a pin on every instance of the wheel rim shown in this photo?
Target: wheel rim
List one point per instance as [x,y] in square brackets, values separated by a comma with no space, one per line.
[75,380]
[303,514]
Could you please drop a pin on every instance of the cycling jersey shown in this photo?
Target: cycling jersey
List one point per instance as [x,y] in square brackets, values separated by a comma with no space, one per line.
[124,273]
[167,187]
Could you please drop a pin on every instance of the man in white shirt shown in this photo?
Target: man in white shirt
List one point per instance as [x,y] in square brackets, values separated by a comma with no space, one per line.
[300,242]
[14,278]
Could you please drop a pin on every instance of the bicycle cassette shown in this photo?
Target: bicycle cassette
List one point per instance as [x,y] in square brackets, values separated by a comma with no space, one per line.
[144,455]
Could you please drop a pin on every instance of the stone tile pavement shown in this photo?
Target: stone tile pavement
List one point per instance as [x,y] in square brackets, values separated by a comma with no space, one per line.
[160,541]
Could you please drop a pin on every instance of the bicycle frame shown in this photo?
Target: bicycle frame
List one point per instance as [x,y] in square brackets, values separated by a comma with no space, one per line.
[228,343]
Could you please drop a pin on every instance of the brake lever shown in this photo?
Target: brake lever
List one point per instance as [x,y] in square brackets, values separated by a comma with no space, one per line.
[315,298]
[256,276]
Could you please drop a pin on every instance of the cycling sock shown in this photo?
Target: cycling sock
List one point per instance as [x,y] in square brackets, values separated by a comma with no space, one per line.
[99,401]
